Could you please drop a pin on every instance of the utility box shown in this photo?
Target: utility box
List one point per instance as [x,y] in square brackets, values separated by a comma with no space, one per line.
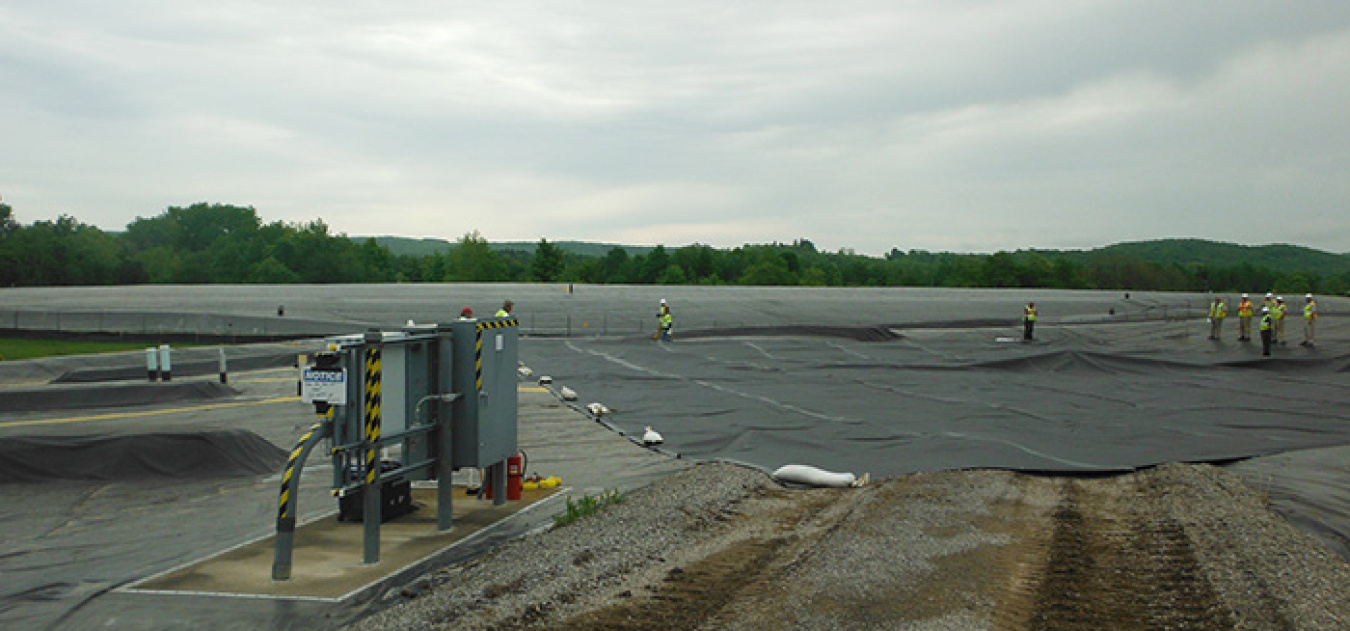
[483,355]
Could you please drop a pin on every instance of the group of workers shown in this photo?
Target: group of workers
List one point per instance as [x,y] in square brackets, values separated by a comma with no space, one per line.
[1273,311]
[1271,324]
[505,312]
[665,321]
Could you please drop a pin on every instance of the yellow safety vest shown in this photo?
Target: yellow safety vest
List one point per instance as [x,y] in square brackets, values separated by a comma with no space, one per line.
[1245,309]
[1218,310]
[1310,310]
[1031,313]
[1266,322]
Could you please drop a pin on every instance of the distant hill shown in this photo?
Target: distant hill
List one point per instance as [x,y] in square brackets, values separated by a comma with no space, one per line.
[405,246]
[1278,257]
[1215,254]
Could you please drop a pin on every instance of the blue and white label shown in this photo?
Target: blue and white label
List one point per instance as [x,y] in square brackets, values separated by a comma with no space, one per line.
[329,386]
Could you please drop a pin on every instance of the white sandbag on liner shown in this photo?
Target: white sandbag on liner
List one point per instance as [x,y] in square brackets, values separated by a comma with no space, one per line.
[814,476]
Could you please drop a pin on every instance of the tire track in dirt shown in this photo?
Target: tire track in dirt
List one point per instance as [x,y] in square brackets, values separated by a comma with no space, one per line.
[1117,561]
[694,595]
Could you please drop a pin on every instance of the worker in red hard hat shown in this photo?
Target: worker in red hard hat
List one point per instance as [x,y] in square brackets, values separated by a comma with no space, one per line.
[466,313]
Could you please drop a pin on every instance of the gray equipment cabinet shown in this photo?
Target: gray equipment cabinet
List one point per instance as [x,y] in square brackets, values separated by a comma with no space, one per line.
[417,403]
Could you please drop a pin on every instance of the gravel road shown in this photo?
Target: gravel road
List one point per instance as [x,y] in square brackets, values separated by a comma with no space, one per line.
[724,547]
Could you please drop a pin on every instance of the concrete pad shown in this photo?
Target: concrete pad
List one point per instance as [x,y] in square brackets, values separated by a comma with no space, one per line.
[327,562]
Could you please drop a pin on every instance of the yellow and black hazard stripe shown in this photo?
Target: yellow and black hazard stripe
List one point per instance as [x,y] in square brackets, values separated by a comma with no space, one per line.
[373,388]
[478,346]
[284,518]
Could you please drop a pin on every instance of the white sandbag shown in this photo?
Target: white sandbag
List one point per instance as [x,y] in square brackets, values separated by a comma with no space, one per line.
[814,476]
[567,394]
[652,437]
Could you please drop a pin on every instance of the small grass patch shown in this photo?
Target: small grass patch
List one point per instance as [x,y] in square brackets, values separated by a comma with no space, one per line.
[586,505]
[22,348]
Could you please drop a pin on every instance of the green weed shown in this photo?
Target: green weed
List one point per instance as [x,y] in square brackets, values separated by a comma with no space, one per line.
[586,505]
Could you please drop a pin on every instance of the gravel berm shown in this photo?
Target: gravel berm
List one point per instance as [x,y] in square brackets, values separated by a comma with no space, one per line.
[724,547]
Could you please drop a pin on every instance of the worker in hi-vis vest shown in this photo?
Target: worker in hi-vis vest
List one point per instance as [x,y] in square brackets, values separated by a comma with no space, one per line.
[505,311]
[664,321]
[1217,312]
[1028,321]
[1245,319]
[1309,320]
[1267,330]
[1277,313]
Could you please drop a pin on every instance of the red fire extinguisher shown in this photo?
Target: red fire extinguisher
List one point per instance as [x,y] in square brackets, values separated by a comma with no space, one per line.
[515,471]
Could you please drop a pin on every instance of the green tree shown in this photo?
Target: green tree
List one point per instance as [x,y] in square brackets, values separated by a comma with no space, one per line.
[653,265]
[270,271]
[473,260]
[769,268]
[1000,269]
[616,266]
[547,264]
[674,275]
[814,277]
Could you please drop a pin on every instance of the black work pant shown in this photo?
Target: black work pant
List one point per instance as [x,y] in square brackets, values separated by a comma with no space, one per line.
[1028,326]
[1266,339]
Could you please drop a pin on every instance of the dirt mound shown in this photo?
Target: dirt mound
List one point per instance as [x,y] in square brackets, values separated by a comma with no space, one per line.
[1177,547]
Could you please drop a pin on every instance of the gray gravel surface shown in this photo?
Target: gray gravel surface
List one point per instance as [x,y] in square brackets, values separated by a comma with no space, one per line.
[722,547]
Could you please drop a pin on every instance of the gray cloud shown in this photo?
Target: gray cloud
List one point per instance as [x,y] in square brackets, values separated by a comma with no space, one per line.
[971,126]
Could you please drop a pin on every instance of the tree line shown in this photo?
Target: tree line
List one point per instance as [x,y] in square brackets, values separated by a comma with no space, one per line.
[218,243]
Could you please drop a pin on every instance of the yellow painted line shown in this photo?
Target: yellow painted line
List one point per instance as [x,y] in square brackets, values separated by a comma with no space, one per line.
[531,389]
[122,415]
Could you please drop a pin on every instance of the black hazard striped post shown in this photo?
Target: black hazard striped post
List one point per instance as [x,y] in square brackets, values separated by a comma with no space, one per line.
[290,482]
[373,415]
[371,513]
[478,347]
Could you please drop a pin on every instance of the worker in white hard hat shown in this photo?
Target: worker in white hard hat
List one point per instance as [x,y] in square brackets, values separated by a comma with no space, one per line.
[1245,319]
[1267,330]
[1217,312]
[1309,320]
[664,321]
[1278,312]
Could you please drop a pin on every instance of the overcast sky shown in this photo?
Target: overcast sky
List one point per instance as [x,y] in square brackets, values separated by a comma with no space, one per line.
[944,125]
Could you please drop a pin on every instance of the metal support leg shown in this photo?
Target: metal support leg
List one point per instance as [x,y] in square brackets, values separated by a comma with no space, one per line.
[445,490]
[498,473]
[370,518]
